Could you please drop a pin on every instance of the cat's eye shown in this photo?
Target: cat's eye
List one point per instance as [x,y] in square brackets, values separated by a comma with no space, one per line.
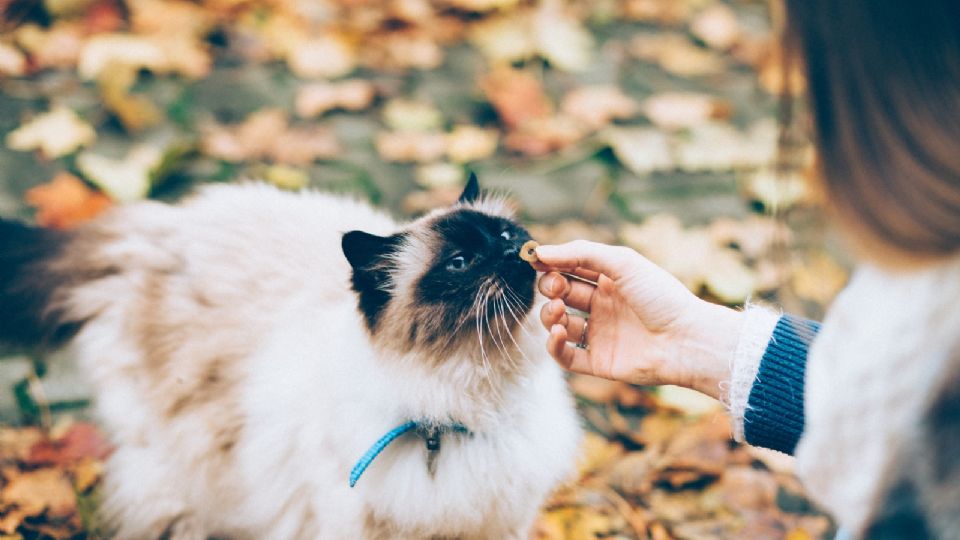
[506,235]
[457,263]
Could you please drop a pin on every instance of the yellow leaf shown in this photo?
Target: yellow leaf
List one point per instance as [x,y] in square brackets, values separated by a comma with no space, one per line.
[55,133]
[317,98]
[42,490]
[819,279]
[677,110]
[422,147]
[286,177]
[102,50]
[409,115]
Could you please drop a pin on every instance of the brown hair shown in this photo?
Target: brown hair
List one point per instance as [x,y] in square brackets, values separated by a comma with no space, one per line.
[883,79]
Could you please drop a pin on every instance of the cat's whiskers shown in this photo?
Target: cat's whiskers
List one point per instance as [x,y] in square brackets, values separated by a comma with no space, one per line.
[516,308]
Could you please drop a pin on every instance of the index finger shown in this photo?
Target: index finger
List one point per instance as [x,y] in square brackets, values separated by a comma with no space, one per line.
[588,259]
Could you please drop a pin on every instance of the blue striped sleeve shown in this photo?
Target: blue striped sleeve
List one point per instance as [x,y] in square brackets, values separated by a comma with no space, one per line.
[774,415]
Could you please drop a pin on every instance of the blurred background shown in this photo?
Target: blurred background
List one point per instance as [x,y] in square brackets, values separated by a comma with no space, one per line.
[653,123]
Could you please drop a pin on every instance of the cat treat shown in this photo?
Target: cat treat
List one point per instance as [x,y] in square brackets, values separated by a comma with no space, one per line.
[529,251]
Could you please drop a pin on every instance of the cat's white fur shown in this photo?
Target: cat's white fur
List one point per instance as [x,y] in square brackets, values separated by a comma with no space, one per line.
[255,278]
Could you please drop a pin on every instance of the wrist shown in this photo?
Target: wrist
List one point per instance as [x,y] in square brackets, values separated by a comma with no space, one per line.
[707,347]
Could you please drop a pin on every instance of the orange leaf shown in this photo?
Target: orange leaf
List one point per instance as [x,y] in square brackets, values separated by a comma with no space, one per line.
[65,202]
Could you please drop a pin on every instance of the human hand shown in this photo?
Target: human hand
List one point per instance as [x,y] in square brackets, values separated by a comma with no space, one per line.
[642,326]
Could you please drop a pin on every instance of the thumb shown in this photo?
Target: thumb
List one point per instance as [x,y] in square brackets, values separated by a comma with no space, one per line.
[612,261]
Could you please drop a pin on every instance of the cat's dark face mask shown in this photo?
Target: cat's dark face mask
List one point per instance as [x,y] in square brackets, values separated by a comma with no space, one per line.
[475,283]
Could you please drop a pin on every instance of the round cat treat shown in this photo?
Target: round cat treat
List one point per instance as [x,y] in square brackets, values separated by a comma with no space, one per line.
[528,251]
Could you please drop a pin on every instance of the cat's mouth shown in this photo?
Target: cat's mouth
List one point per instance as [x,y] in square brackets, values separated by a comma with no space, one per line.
[501,307]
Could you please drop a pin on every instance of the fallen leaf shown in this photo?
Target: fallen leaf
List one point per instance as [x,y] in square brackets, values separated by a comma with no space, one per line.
[104,50]
[55,133]
[286,177]
[55,47]
[325,55]
[642,150]
[540,136]
[39,491]
[404,146]
[317,98]
[440,175]
[717,26]
[777,191]
[469,143]
[517,96]
[126,179]
[135,112]
[819,278]
[729,278]
[689,401]
[480,6]
[561,38]
[81,441]
[676,54]
[65,202]
[597,106]
[595,389]
[418,202]
[409,115]
[86,474]
[596,453]
[745,488]
[12,61]
[677,110]
[267,135]
[666,12]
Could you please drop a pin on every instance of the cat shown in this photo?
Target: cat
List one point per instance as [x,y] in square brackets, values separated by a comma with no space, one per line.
[249,345]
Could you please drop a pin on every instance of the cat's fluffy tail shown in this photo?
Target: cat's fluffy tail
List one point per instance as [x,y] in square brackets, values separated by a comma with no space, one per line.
[35,277]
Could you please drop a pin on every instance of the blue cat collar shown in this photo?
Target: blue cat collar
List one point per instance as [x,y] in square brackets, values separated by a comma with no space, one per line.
[391,436]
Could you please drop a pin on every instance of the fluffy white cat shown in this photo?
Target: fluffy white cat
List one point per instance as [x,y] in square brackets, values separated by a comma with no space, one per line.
[246,354]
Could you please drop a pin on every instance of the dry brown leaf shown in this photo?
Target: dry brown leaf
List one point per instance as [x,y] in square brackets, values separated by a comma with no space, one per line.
[266,134]
[678,110]
[411,146]
[746,488]
[86,474]
[55,47]
[667,12]
[597,106]
[15,443]
[517,96]
[317,98]
[676,54]
[561,38]
[596,453]
[418,202]
[65,202]
[325,55]
[595,389]
[542,136]
[819,279]
[35,492]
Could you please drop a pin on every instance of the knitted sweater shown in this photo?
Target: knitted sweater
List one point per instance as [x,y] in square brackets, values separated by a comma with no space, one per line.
[874,395]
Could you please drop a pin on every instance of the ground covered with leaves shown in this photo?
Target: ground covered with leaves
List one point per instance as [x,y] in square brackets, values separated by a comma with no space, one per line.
[645,122]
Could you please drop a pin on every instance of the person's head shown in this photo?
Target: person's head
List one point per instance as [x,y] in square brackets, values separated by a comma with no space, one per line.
[883,80]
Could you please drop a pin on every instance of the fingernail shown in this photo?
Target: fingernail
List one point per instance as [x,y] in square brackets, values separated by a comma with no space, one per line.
[549,282]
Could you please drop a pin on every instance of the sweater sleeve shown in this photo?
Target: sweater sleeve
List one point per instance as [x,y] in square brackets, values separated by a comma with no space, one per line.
[773,416]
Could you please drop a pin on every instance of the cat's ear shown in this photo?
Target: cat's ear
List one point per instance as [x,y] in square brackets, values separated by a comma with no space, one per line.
[364,249]
[471,192]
